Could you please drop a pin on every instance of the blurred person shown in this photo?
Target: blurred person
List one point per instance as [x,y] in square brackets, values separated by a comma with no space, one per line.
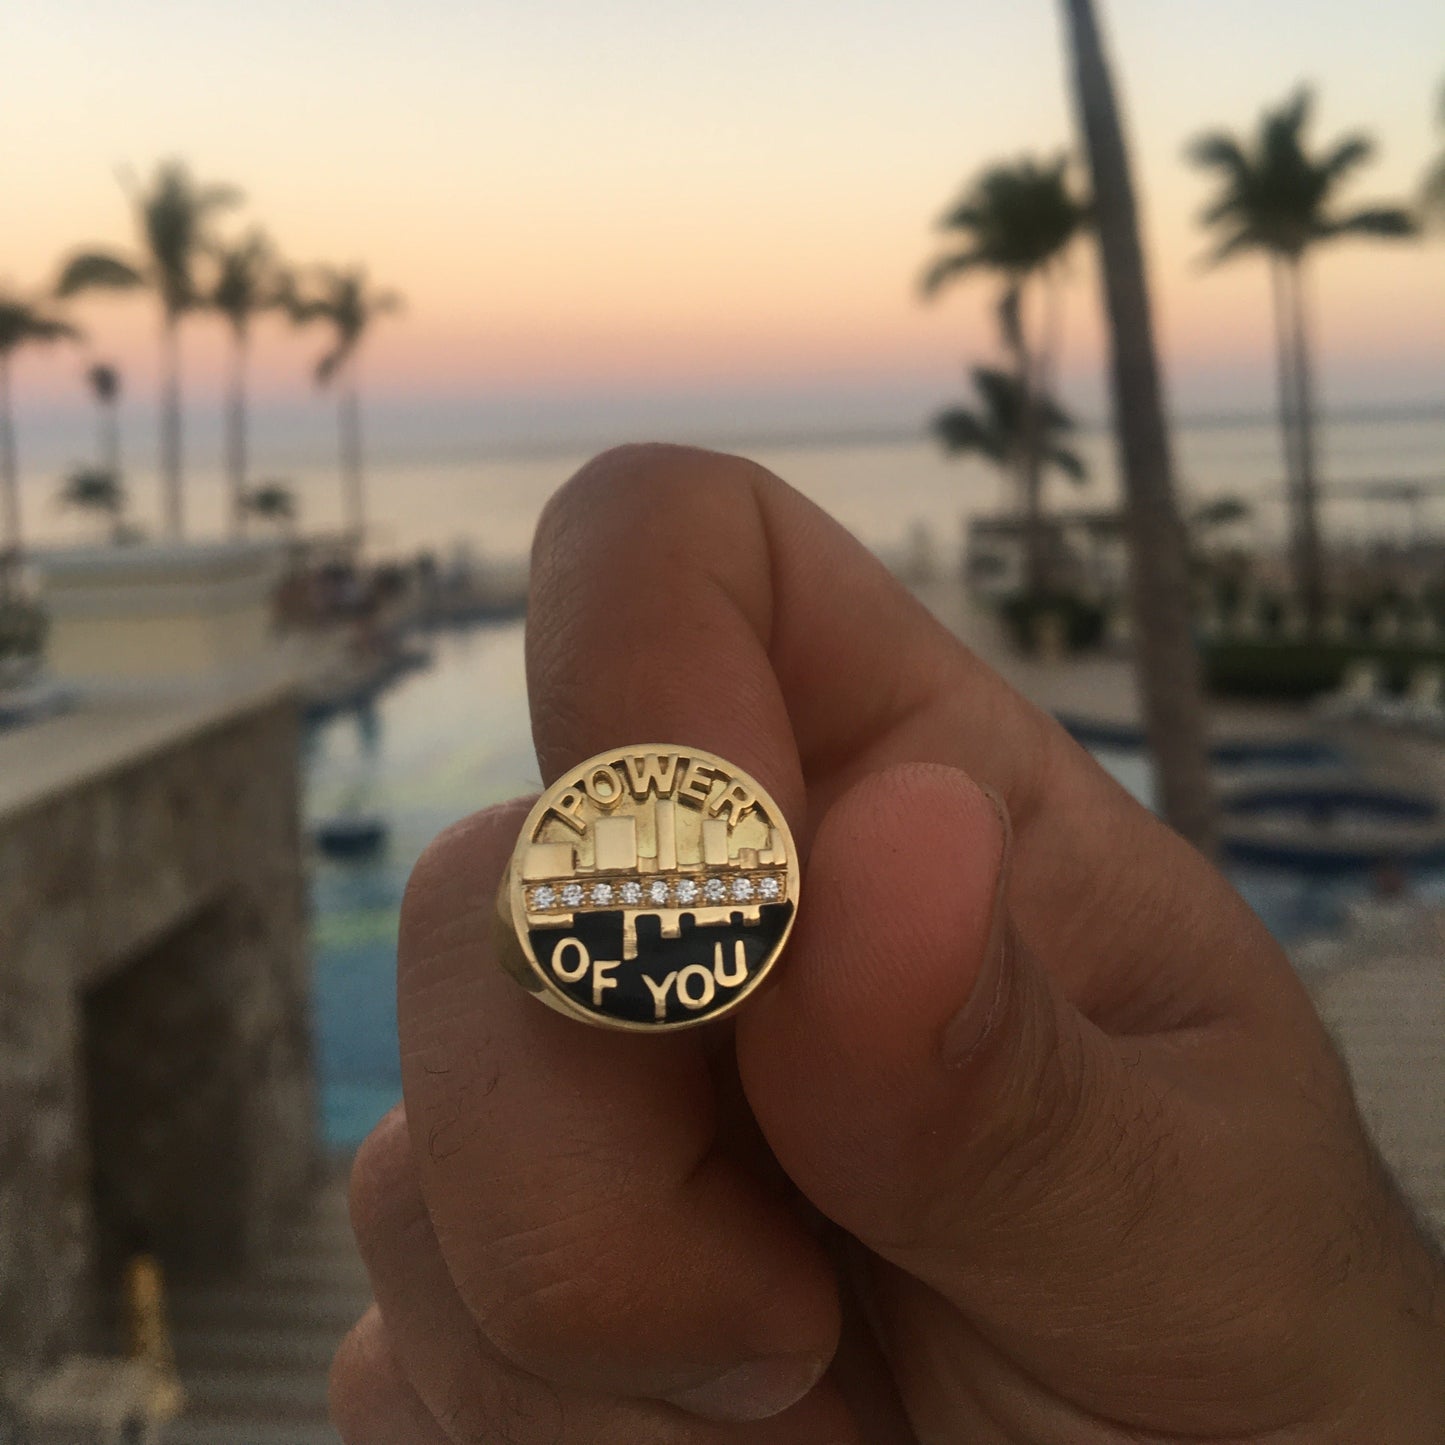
[1035,1136]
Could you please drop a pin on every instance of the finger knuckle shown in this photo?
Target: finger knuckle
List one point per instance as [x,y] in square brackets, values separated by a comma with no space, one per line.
[501,1406]
[381,1179]
[356,1390]
[555,1295]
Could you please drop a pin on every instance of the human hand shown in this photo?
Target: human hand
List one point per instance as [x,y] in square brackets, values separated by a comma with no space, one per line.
[1035,1137]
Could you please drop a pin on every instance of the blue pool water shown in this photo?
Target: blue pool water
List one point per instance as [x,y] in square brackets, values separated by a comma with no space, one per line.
[442,744]
[456,738]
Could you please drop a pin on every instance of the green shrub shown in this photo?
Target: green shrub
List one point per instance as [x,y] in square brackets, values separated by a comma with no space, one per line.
[22,628]
[1295,670]
[1083,621]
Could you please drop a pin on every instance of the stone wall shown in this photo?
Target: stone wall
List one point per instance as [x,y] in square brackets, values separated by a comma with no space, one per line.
[155,1074]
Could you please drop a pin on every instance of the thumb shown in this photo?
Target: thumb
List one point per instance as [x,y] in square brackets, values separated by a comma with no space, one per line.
[926,1083]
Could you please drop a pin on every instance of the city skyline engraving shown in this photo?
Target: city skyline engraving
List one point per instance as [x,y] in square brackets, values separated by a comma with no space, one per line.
[653,887]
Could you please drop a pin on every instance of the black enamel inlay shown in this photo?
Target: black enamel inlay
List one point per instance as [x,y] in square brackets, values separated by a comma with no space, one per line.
[657,957]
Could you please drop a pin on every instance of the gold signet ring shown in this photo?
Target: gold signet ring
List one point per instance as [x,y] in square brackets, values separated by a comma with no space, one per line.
[652,888]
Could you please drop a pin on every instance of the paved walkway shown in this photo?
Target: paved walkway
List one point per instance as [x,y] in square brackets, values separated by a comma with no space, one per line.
[1095,686]
[1380,989]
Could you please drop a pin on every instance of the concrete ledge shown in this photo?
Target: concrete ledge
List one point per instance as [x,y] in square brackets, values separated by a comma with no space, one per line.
[45,758]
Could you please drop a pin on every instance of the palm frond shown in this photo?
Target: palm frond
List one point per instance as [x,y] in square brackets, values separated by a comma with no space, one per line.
[945,269]
[331,363]
[1432,192]
[1010,316]
[1295,113]
[1391,222]
[1276,195]
[961,431]
[1016,217]
[1346,155]
[51,328]
[1007,422]
[1069,462]
[1233,245]
[218,198]
[20,323]
[91,270]
[1218,151]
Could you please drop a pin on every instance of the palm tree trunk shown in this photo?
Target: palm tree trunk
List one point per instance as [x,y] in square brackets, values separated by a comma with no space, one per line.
[1310,563]
[10,542]
[171,428]
[236,436]
[1170,684]
[353,499]
[110,438]
[1285,371]
[1288,418]
[1027,462]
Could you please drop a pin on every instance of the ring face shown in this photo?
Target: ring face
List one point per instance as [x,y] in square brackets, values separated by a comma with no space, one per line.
[651,888]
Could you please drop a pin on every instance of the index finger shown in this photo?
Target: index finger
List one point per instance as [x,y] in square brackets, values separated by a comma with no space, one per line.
[690,596]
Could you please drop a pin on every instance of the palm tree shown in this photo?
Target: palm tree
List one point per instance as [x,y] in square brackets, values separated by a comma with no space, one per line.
[1170,684]
[274,502]
[174,217]
[996,432]
[1276,198]
[1017,222]
[1432,196]
[104,382]
[96,491]
[993,430]
[21,324]
[248,282]
[346,301]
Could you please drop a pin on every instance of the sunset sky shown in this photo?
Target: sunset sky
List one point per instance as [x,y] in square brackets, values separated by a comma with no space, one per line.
[637,198]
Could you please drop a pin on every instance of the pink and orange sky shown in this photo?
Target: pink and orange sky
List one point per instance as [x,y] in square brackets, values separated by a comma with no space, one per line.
[643,196]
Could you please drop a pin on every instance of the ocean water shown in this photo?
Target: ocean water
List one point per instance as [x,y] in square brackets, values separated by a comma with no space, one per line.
[444,496]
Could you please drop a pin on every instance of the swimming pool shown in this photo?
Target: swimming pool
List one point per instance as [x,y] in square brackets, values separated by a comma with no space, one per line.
[443,743]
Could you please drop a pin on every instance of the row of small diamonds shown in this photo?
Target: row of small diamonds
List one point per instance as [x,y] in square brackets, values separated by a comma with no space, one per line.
[656,892]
